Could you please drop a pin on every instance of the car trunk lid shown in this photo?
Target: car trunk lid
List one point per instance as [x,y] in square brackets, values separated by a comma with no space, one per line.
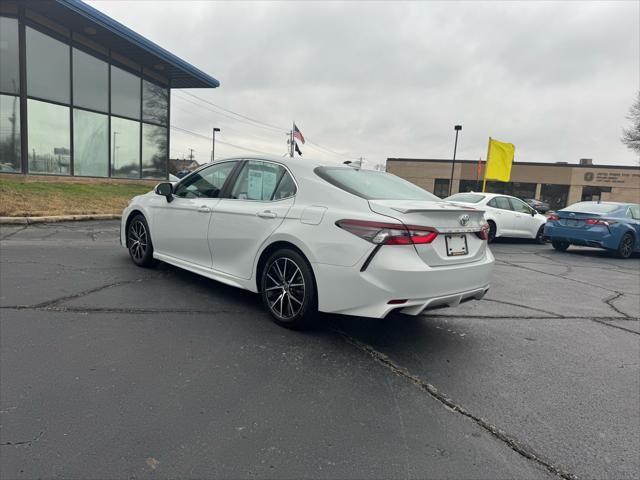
[457,241]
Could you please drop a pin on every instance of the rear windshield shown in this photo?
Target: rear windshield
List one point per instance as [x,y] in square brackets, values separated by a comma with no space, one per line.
[592,207]
[373,185]
[465,197]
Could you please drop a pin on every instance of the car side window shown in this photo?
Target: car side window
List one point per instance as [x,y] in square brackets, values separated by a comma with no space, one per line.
[286,187]
[520,206]
[635,212]
[257,181]
[207,183]
[500,202]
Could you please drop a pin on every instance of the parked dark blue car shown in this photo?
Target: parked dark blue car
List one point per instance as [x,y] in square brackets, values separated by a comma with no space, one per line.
[609,225]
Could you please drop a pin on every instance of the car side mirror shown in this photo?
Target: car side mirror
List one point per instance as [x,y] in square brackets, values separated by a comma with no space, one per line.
[166,190]
[533,212]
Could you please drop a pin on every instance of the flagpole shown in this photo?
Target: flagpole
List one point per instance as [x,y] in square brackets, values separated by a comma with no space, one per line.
[486,164]
[292,139]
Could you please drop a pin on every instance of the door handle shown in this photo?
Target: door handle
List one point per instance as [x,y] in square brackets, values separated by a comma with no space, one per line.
[204,209]
[266,214]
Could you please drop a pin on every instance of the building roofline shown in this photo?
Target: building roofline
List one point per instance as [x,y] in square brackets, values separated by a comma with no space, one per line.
[542,164]
[179,73]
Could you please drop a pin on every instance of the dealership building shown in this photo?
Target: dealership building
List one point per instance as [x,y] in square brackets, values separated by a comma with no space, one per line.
[560,184]
[82,95]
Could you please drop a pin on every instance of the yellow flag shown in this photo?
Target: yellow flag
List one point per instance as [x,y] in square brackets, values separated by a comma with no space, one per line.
[499,160]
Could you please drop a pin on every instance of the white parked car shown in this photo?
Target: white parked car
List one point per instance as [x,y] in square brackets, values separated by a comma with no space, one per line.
[309,237]
[507,216]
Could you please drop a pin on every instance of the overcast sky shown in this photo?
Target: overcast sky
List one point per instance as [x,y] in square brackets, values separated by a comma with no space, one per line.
[390,79]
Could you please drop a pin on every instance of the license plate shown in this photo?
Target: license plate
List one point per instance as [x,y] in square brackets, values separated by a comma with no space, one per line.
[456,245]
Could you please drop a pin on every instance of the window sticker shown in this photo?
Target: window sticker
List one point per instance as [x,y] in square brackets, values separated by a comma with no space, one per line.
[254,190]
[269,184]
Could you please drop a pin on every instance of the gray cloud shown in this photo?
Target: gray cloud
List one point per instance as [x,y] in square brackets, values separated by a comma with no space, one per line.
[384,79]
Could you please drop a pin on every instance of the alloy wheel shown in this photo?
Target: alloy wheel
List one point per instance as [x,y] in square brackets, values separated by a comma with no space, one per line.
[626,246]
[138,240]
[284,288]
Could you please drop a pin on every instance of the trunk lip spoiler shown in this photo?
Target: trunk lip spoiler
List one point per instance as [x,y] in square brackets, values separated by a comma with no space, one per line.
[417,210]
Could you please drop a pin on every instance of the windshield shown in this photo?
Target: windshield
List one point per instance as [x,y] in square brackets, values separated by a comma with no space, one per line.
[465,197]
[373,185]
[592,207]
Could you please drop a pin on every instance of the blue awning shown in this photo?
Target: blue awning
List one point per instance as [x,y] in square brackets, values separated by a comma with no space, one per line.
[80,17]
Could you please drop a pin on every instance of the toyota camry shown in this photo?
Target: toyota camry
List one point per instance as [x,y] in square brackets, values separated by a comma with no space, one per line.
[313,237]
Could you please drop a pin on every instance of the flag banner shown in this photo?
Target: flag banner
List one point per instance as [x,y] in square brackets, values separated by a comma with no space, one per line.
[297,134]
[295,144]
[499,161]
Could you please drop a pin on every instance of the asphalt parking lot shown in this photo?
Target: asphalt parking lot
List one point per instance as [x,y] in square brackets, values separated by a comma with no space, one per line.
[112,371]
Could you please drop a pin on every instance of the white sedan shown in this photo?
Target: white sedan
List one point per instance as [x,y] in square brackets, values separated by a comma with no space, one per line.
[311,237]
[507,216]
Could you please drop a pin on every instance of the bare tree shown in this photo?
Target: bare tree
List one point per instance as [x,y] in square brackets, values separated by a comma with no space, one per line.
[631,135]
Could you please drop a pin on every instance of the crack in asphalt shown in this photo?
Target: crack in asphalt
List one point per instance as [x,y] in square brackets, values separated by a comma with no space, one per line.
[24,442]
[515,265]
[133,310]
[557,315]
[609,301]
[604,321]
[55,302]
[449,403]
[13,233]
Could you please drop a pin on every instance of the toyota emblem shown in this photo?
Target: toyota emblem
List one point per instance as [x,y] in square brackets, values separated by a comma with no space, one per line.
[464,219]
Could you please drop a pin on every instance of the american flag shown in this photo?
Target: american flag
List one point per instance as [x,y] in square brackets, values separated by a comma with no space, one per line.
[297,134]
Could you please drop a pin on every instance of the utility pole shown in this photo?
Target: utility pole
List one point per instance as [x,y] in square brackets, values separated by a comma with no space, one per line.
[457,128]
[213,144]
[190,158]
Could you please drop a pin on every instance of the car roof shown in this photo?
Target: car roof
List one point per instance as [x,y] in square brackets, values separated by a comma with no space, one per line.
[486,194]
[296,165]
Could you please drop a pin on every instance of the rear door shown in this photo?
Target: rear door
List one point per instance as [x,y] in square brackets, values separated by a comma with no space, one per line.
[457,241]
[504,215]
[260,198]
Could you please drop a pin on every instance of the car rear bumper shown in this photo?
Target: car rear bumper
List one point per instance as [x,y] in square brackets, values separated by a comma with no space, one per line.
[599,237]
[399,274]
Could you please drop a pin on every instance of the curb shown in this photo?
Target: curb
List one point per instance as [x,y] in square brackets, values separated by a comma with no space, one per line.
[57,218]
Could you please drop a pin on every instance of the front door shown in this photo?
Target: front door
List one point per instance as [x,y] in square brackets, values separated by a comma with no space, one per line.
[180,227]
[526,224]
[258,202]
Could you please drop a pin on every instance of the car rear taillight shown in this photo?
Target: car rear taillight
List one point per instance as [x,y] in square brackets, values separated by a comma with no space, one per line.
[483,234]
[389,233]
[553,217]
[600,221]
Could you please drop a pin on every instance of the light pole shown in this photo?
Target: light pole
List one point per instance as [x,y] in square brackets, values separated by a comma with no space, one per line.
[213,144]
[457,128]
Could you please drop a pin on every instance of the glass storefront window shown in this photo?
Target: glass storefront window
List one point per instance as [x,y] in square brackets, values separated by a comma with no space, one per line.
[9,133]
[154,151]
[47,67]
[470,186]
[90,144]
[441,187]
[48,138]
[155,102]
[125,148]
[125,93]
[90,82]
[555,195]
[9,58]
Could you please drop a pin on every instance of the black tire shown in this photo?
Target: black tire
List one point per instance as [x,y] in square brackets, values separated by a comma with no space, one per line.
[288,290]
[139,242]
[540,235]
[492,231]
[560,246]
[625,249]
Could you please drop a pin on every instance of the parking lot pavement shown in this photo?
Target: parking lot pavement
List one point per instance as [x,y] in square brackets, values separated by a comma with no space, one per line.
[112,371]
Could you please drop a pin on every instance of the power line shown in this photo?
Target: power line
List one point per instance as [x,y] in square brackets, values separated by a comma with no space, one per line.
[259,123]
[195,134]
[235,113]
